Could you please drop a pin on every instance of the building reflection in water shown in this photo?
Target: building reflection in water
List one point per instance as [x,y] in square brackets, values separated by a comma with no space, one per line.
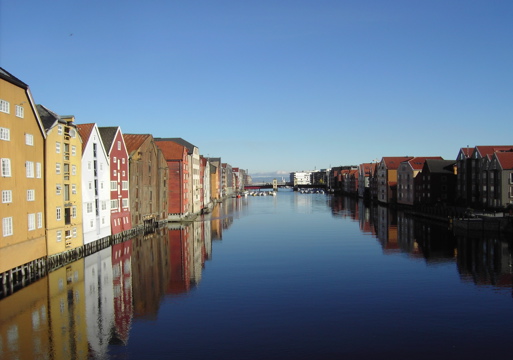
[481,258]
[122,291]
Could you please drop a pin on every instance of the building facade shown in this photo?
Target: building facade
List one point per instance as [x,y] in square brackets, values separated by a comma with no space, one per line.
[63,182]
[22,160]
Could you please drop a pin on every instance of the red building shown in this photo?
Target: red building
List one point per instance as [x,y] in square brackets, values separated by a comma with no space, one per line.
[120,218]
[178,178]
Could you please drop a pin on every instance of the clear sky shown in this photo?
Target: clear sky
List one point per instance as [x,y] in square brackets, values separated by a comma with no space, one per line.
[274,85]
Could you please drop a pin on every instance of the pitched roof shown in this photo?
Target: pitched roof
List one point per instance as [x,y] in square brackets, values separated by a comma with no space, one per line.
[108,135]
[467,151]
[48,117]
[12,79]
[417,162]
[392,162]
[490,149]
[85,132]
[171,149]
[190,147]
[440,166]
[134,141]
[505,160]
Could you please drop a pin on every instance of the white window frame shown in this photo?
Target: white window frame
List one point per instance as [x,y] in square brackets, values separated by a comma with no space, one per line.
[5,134]
[89,206]
[6,167]
[119,145]
[6,196]
[38,170]
[124,203]
[29,169]
[113,185]
[58,189]
[31,195]
[57,147]
[59,129]
[39,220]
[124,185]
[114,204]
[31,222]
[20,111]
[58,213]
[4,106]
[7,226]
[73,150]
[58,235]
[29,139]
[73,189]
[57,168]
[73,169]
[73,211]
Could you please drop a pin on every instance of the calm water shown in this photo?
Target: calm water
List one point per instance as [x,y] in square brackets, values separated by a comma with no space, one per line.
[296,276]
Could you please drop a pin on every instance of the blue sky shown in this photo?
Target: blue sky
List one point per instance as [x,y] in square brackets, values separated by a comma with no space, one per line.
[274,86]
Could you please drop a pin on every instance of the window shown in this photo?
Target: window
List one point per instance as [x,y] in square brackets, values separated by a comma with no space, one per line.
[38,170]
[7,226]
[31,195]
[90,185]
[74,232]
[91,224]
[113,185]
[20,112]
[73,169]
[58,213]
[6,167]
[89,207]
[4,106]
[104,205]
[59,129]
[89,165]
[58,189]
[59,235]
[73,189]
[115,173]
[123,173]
[29,168]
[31,222]
[115,160]
[39,220]
[5,134]
[58,147]
[67,234]
[73,150]
[119,145]
[29,139]
[114,204]
[123,160]
[6,196]
[57,168]
[124,185]
[66,192]
[73,211]
[125,203]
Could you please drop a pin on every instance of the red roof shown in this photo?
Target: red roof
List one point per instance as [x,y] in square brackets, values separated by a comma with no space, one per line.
[418,162]
[490,149]
[392,162]
[84,130]
[171,150]
[134,141]
[505,159]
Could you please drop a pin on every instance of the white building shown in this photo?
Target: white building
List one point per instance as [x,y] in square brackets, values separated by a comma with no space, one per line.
[301,178]
[95,184]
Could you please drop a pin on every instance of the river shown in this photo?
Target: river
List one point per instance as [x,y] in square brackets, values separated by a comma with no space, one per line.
[294,276]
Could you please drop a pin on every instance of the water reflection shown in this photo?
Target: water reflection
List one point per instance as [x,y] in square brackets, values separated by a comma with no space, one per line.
[88,308]
[481,258]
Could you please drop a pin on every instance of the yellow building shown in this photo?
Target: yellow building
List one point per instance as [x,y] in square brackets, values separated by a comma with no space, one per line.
[63,159]
[22,240]
[67,312]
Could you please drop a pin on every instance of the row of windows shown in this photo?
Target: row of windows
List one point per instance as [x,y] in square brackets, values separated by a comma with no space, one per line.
[7,196]
[5,107]
[67,233]
[33,221]
[32,169]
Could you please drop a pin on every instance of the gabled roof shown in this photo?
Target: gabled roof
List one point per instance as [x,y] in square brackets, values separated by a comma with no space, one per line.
[190,147]
[490,149]
[505,159]
[440,166]
[134,141]
[48,117]
[108,135]
[467,151]
[365,168]
[392,162]
[85,132]
[171,149]
[417,162]
[12,79]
